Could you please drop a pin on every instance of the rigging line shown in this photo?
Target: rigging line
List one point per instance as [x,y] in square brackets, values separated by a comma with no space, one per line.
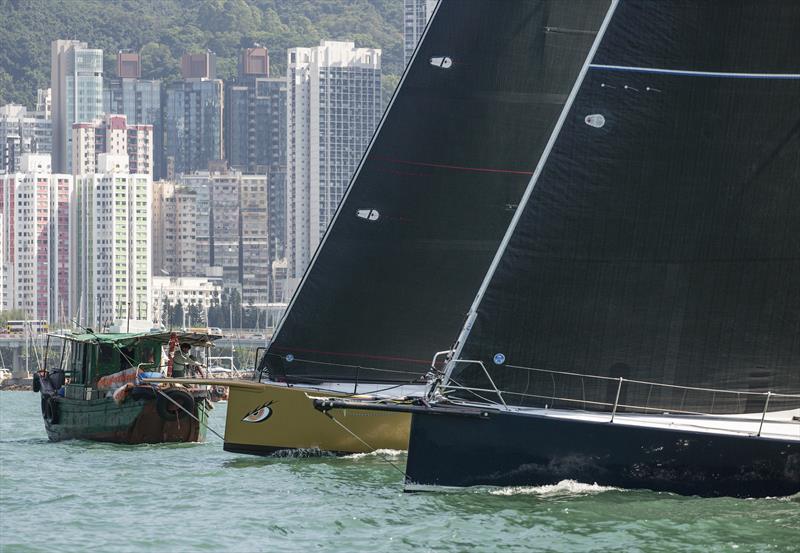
[372,449]
[349,354]
[645,382]
[381,389]
[181,407]
[359,367]
[688,73]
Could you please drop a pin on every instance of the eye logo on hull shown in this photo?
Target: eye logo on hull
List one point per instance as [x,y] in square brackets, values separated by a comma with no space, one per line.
[259,414]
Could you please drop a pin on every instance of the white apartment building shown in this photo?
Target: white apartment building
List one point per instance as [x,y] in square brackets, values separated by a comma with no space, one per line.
[34,205]
[333,108]
[111,275]
[204,292]
[415,16]
[114,136]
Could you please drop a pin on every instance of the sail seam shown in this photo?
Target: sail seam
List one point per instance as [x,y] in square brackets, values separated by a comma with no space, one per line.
[690,73]
[528,191]
[353,180]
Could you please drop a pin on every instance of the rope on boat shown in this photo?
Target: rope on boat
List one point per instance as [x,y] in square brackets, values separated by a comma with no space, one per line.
[182,408]
[372,449]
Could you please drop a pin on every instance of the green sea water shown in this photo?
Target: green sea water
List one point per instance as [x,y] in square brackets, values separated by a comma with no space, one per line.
[82,496]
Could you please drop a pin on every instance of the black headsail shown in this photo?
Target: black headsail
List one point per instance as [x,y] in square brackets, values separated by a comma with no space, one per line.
[425,212]
[661,241]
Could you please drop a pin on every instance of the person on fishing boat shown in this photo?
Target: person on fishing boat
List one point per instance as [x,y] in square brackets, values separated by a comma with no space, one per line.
[185,365]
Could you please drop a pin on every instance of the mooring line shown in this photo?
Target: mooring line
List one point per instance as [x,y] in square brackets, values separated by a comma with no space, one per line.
[190,414]
[374,450]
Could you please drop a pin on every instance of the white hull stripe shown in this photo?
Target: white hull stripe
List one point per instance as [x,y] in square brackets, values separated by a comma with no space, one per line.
[719,74]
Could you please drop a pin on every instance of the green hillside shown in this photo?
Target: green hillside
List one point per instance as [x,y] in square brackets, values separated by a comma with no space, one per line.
[165,29]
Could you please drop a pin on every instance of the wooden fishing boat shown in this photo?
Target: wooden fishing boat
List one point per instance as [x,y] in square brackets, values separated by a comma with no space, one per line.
[95,390]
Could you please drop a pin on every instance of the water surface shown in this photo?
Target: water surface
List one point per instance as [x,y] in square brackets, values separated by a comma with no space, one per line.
[79,496]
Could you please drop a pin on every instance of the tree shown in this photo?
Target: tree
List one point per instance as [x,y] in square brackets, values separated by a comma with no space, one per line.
[166,311]
[195,315]
[163,30]
[177,315]
[12,315]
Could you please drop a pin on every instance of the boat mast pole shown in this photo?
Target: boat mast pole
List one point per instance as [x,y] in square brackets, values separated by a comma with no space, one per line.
[473,312]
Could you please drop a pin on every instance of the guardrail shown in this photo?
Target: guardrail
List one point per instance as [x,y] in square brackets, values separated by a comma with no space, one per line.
[451,385]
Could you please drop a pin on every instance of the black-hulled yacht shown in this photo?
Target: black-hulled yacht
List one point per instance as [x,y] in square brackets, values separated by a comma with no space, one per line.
[640,324]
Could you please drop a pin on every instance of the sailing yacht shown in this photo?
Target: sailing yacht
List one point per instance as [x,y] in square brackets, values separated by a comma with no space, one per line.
[638,326]
[419,225]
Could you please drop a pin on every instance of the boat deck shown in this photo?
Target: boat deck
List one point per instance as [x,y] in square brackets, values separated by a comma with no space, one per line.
[782,425]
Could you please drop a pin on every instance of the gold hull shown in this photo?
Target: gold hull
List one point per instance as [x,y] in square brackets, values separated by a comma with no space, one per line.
[269,418]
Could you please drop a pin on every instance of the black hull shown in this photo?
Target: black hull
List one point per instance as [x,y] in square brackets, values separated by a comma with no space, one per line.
[500,449]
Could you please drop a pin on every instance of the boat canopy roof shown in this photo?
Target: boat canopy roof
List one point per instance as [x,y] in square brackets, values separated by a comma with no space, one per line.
[127,339]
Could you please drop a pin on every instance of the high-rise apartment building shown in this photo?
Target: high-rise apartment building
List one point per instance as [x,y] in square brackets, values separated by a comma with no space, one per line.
[175,221]
[226,224]
[415,16]
[333,108]
[199,184]
[44,106]
[193,116]
[230,226]
[110,245]
[23,132]
[255,111]
[139,100]
[254,240]
[112,135]
[255,140]
[76,82]
[34,204]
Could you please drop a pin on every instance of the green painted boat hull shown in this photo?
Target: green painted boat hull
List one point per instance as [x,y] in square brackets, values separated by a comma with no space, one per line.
[135,421]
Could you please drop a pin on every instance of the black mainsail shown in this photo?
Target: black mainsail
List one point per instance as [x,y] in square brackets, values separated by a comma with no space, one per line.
[652,270]
[661,241]
[433,196]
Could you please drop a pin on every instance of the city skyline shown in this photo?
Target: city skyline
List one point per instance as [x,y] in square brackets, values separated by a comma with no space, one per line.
[229,183]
